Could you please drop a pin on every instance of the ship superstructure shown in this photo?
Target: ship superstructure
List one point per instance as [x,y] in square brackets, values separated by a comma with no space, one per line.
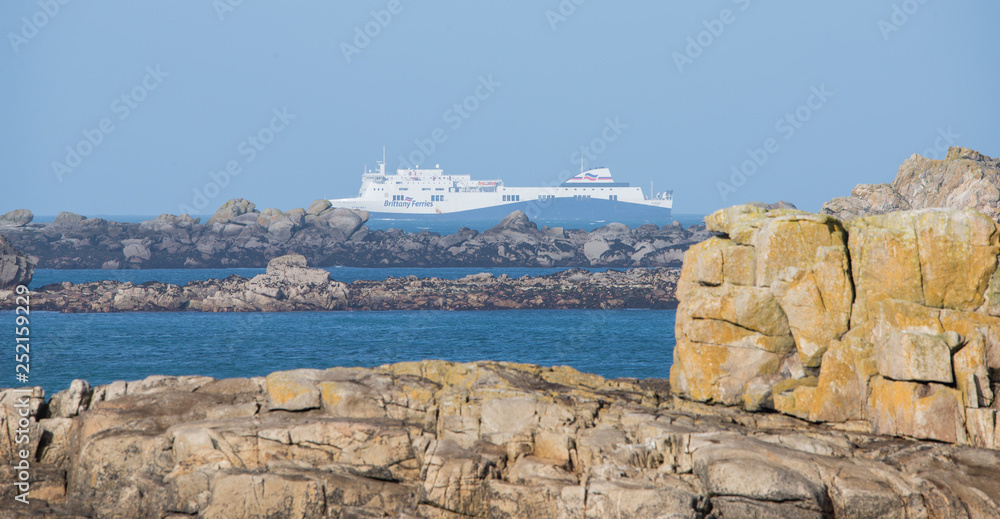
[431,191]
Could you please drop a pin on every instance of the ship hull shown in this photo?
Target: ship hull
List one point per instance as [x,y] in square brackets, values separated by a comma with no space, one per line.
[560,209]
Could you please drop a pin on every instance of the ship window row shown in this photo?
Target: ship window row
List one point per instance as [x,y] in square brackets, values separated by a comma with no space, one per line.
[511,198]
[581,196]
[437,198]
[397,198]
[546,197]
[612,197]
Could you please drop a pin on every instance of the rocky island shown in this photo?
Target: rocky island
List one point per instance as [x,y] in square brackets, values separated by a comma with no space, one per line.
[289,285]
[239,235]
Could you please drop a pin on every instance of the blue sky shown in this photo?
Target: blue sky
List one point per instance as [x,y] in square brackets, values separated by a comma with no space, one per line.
[283,103]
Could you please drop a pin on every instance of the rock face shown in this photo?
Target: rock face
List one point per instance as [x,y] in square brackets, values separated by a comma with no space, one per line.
[15,267]
[439,440]
[17,218]
[887,324]
[289,285]
[239,235]
[965,179]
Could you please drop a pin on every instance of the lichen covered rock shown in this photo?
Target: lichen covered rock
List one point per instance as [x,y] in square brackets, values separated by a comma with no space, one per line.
[891,320]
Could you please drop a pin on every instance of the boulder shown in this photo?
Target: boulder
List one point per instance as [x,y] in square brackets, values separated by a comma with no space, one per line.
[346,221]
[230,210]
[15,268]
[292,268]
[318,207]
[17,218]
[68,218]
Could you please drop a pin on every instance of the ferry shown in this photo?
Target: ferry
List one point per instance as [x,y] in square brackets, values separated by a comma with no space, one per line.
[593,195]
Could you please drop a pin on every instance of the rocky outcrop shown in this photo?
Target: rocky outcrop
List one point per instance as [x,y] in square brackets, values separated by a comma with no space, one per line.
[15,268]
[886,324]
[16,218]
[965,179]
[290,285]
[239,235]
[437,440]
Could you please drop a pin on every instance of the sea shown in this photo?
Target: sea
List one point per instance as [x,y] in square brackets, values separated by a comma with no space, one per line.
[102,348]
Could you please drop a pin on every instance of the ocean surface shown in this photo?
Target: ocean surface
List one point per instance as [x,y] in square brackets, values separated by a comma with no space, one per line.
[102,348]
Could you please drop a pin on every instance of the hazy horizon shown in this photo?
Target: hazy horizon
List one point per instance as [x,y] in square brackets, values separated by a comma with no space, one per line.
[140,109]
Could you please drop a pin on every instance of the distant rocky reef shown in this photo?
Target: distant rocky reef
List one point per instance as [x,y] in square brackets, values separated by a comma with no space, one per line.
[887,324]
[239,235]
[289,285]
[965,179]
[440,440]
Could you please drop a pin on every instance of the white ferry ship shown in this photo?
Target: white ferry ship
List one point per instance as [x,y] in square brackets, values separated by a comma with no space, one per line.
[592,194]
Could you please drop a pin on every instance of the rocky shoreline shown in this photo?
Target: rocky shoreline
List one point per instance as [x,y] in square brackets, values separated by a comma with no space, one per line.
[440,440]
[289,285]
[964,179]
[239,235]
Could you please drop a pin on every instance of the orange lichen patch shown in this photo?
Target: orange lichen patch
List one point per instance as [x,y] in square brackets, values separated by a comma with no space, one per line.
[285,386]
[958,254]
[926,411]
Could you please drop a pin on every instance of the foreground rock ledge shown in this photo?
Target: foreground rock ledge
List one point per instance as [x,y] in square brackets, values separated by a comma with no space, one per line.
[887,324]
[435,439]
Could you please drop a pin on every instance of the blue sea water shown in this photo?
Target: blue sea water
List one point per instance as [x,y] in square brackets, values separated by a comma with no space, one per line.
[102,348]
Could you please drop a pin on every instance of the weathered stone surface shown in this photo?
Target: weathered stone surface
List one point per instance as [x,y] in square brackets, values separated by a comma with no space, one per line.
[965,179]
[17,218]
[289,285]
[917,410]
[230,210]
[68,218]
[892,323]
[435,439]
[15,268]
[239,235]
